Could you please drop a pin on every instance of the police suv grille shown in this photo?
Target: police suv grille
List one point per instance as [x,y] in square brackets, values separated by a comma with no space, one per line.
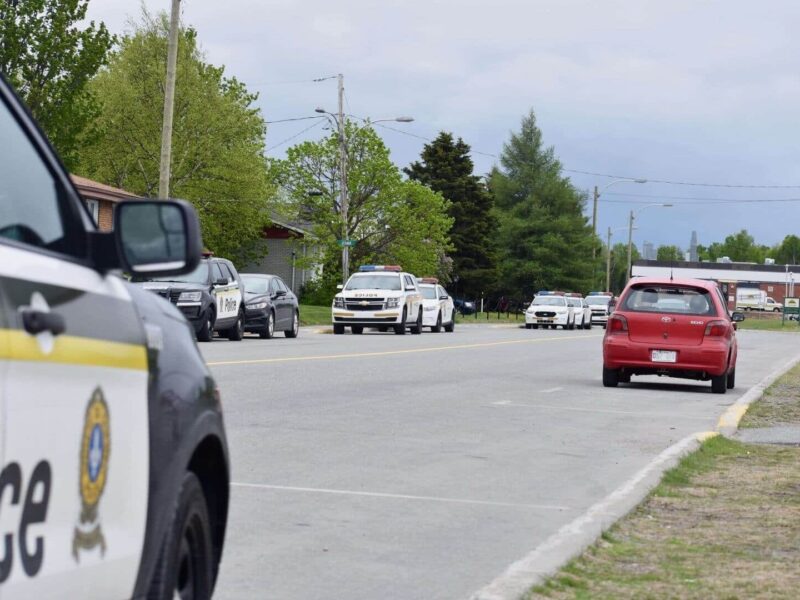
[599,312]
[174,295]
[545,313]
[364,303]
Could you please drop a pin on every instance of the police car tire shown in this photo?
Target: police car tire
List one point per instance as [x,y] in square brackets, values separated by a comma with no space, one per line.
[528,326]
[356,329]
[438,327]
[338,329]
[269,327]
[295,328]
[207,330]
[417,328]
[401,328]
[187,551]
[452,324]
[236,332]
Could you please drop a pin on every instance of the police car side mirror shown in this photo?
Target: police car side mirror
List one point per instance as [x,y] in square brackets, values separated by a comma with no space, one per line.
[157,237]
[279,294]
[221,281]
[339,286]
[444,297]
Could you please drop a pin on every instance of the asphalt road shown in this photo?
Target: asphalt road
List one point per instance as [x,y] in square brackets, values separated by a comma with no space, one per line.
[420,467]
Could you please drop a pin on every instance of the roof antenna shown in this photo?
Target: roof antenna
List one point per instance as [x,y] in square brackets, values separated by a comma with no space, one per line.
[671,267]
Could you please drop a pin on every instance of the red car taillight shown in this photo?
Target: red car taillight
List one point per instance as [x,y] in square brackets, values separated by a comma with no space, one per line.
[617,324]
[716,329]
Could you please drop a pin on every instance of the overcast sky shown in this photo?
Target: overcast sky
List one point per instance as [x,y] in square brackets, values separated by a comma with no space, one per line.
[684,90]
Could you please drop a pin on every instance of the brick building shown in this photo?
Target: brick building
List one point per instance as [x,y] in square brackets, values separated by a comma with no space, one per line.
[778,281]
[100,200]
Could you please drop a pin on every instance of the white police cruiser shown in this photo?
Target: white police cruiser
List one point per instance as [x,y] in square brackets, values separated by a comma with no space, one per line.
[114,480]
[581,312]
[549,309]
[438,310]
[599,302]
[381,296]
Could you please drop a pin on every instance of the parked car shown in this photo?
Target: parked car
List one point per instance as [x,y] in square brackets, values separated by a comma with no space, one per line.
[269,306]
[672,328]
[549,309]
[465,307]
[438,310]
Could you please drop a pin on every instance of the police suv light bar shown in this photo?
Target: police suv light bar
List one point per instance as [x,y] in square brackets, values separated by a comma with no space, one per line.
[392,268]
[600,294]
[432,280]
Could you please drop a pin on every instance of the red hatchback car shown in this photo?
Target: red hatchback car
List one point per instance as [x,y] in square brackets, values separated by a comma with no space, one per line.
[673,328]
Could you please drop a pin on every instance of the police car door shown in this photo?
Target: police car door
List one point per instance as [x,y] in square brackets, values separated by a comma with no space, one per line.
[227,295]
[74,483]
[447,305]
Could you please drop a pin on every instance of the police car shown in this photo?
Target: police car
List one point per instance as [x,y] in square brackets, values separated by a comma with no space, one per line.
[599,302]
[438,309]
[549,309]
[210,297]
[581,312]
[381,296]
[114,480]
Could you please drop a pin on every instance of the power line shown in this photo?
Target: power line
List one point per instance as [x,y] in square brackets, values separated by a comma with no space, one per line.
[695,203]
[298,134]
[698,198]
[292,82]
[690,183]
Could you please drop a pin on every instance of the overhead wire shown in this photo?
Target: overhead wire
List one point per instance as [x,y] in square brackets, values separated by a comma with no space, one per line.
[296,135]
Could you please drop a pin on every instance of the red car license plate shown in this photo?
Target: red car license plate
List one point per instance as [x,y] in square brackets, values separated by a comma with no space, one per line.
[663,356]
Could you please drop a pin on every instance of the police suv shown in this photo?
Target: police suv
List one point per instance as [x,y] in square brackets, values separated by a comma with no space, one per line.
[114,480]
[210,297]
[549,309]
[599,302]
[381,296]
[438,309]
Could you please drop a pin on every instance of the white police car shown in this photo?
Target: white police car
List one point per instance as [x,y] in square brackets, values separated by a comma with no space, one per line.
[381,296]
[599,303]
[549,309]
[581,312]
[438,310]
[114,480]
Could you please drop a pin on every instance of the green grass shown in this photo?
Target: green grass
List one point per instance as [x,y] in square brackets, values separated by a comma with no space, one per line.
[493,317]
[769,325]
[315,315]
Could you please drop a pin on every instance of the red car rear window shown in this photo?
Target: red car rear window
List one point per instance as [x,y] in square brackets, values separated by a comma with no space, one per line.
[669,299]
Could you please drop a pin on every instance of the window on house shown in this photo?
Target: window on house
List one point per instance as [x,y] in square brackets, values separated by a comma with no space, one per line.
[94,208]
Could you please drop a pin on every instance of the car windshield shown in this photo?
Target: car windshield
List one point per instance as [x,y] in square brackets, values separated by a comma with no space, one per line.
[199,275]
[598,300]
[669,299]
[428,292]
[255,285]
[574,301]
[372,281]
[549,301]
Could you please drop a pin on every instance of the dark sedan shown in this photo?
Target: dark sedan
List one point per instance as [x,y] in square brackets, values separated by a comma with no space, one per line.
[270,306]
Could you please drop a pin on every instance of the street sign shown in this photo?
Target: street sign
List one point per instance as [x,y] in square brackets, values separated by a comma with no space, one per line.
[348,243]
[791,308]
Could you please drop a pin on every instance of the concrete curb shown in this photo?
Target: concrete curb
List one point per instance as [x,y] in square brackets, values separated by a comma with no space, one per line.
[729,421]
[574,537]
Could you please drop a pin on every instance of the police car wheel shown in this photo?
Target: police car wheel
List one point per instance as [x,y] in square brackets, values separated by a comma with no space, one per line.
[401,328]
[295,329]
[417,328]
[450,327]
[357,329]
[185,566]
[338,329]
[438,327]
[207,330]
[236,332]
[269,327]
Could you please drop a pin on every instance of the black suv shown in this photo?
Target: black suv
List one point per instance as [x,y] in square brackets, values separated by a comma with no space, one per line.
[210,297]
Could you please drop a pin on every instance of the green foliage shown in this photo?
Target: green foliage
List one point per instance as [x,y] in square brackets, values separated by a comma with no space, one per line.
[619,265]
[391,220]
[544,238]
[669,253]
[788,251]
[739,247]
[217,140]
[447,168]
[50,60]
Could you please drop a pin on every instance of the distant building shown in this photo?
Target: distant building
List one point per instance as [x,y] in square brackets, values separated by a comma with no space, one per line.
[692,256]
[649,251]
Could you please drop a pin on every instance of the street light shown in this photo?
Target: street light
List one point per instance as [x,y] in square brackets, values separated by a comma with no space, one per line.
[597,195]
[338,121]
[630,228]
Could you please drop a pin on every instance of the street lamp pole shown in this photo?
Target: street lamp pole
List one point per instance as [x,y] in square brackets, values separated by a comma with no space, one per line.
[608,258]
[597,194]
[630,228]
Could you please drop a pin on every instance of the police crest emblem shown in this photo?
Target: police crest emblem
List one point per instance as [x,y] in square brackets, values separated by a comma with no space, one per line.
[94,455]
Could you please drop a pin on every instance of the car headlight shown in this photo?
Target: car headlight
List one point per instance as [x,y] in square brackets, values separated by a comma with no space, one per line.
[392,302]
[190,296]
[530,310]
[338,302]
[257,305]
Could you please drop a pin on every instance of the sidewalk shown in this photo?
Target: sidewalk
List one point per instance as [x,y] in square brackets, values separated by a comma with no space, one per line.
[725,523]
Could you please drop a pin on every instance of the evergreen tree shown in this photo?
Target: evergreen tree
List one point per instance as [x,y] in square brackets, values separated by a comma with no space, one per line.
[544,238]
[447,168]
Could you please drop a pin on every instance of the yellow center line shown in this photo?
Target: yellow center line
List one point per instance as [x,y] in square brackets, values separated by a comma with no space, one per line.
[259,361]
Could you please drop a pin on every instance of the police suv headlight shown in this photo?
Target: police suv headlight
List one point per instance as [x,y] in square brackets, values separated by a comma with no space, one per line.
[257,305]
[190,296]
[392,302]
[338,303]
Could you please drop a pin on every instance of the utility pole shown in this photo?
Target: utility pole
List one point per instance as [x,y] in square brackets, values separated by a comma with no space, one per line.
[630,245]
[594,224]
[343,183]
[169,101]
[608,262]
